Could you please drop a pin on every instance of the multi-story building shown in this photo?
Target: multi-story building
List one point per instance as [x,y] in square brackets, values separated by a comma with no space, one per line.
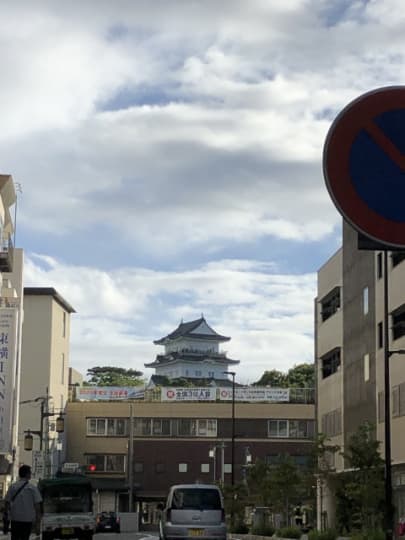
[349,330]
[180,442]
[11,305]
[45,376]
[135,449]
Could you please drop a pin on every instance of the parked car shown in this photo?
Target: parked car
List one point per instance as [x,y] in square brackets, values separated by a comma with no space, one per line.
[193,510]
[108,522]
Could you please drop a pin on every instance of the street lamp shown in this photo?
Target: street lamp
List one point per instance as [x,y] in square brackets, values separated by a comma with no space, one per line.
[59,427]
[232,373]
[213,455]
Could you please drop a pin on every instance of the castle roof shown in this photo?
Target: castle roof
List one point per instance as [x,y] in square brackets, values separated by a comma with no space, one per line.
[191,356]
[198,329]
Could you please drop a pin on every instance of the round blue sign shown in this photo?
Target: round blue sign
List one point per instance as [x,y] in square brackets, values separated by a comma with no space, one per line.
[364,164]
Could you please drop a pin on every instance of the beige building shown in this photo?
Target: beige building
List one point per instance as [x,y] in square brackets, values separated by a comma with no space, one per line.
[45,376]
[349,330]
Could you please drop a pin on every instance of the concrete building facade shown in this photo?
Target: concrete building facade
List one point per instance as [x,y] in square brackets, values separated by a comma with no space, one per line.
[145,447]
[349,350]
[45,376]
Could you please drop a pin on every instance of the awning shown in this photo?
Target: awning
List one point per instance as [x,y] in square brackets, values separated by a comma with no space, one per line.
[111,484]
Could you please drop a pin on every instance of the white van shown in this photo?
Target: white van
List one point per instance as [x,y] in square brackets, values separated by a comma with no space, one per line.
[193,510]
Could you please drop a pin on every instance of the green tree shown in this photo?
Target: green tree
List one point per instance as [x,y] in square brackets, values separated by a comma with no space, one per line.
[361,490]
[114,376]
[258,481]
[279,486]
[286,486]
[272,378]
[299,376]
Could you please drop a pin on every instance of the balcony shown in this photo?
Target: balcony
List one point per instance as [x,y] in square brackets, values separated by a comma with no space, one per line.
[6,255]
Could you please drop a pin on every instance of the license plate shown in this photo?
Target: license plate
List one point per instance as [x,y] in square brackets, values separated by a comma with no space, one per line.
[67,530]
[196,532]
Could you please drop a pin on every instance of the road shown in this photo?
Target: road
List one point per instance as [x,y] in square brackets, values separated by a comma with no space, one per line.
[127,536]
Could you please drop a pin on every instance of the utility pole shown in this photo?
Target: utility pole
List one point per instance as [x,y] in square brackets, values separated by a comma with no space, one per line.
[131,459]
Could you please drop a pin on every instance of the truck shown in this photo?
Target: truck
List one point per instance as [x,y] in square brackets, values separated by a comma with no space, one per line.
[67,507]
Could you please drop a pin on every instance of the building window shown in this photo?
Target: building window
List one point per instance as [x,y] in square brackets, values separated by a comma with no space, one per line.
[138,467]
[205,467]
[380,337]
[278,428]
[331,423]
[402,399]
[161,426]
[330,362]
[227,468]
[379,265]
[198,373]
[211,374]
[62,379]
[330,304]
[395,401]
[107,427]
[366,361]
[106,463]
[381,407]
[191,427]
[142,427]
[183,467]
[398,322]
[365,300]
[397,257]
[292,429]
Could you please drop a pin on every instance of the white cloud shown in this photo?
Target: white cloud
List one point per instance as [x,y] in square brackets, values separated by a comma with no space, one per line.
[120,313]
[171,136]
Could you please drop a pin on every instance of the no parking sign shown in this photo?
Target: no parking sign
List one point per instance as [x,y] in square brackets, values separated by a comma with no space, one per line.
[364,164]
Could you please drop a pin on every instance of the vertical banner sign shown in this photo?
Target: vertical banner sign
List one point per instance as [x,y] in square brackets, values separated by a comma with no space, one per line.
[8,351]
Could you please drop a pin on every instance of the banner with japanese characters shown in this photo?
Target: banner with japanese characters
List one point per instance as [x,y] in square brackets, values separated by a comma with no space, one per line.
[8,352]
[251,394]
[109,393]
[188,394]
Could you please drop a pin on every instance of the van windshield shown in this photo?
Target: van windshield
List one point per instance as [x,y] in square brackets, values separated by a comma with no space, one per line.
[201,499]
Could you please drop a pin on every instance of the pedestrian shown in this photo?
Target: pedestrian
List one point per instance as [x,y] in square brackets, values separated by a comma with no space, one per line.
[23,504]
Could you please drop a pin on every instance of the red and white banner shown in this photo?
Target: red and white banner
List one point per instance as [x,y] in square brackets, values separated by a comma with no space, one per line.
[188,394]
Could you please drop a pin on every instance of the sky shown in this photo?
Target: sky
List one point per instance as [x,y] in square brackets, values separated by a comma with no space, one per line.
[169,154]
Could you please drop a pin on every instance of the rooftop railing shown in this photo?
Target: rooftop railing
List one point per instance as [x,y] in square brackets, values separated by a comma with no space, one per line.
[304,396]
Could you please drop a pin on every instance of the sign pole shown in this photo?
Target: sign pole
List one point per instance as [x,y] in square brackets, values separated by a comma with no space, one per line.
[387,412]
[364,169]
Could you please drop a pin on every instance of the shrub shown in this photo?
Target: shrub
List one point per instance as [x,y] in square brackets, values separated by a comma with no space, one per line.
[368,535]
[329,534]
[263,530]
[240,528]
[289,532]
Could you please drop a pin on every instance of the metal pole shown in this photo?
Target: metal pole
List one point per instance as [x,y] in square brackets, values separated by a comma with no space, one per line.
[233,431]
[214,456]
[222,463]
[41,426]
[387,395]
[131,459]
